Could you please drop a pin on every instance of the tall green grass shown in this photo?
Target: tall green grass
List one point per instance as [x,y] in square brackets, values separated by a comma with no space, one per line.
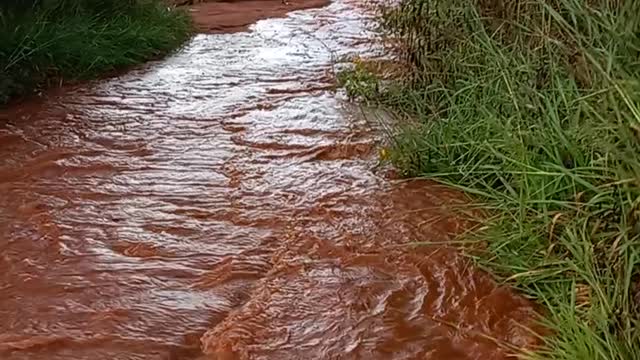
[42,42]
[533,107]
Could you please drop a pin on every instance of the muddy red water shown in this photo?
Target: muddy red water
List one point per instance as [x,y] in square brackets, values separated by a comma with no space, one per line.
[237,15]
[223,204]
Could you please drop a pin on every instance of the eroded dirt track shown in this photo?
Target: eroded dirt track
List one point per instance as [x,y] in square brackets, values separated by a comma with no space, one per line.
[222,204]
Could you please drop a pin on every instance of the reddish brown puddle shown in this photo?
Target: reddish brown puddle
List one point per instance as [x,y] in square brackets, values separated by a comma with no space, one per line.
[223,204]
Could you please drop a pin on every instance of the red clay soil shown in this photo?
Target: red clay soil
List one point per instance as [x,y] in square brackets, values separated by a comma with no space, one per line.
[237,15]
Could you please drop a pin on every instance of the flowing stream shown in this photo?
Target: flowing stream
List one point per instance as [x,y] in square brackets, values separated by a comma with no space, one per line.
[224,203]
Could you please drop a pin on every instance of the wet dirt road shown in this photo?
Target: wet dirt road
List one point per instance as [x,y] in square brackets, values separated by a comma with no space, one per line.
[223,204]
[236,15]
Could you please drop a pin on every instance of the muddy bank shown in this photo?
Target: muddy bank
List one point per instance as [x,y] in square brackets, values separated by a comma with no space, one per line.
[231,16]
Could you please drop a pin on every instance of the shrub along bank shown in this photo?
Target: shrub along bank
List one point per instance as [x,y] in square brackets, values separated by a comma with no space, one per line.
[44,41]
[533,107]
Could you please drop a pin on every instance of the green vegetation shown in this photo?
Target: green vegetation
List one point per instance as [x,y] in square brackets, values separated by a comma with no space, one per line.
[534,109]
[43,41]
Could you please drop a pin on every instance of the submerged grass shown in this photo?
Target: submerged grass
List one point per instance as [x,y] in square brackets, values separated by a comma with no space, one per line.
[43,41]
[533,107]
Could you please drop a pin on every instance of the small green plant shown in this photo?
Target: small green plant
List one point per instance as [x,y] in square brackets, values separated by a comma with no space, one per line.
[359,83]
